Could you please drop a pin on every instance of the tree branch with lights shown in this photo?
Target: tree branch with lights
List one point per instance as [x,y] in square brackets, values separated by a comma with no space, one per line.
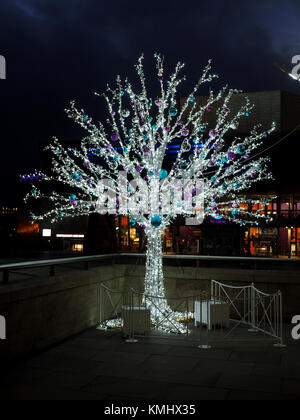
[135,140]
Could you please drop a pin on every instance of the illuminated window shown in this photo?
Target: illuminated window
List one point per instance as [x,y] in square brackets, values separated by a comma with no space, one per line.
[77,248]
[47,233]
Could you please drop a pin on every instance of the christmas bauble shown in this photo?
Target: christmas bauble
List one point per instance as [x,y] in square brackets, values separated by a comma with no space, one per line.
[156,221]
[125,113]
[173,112]
[114,137]
[163,174]
[241,149]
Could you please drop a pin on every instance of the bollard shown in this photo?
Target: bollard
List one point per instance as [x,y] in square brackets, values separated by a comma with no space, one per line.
[131,338]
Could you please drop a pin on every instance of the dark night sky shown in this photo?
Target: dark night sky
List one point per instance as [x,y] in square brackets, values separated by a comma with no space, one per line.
[57,50]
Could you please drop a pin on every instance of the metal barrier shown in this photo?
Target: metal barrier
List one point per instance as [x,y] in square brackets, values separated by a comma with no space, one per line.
[250,307]
[225,314]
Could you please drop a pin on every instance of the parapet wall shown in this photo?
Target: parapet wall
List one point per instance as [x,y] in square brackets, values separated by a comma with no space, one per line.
[43,312]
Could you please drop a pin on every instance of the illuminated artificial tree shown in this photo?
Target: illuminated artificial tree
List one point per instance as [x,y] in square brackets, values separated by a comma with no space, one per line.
[135,139]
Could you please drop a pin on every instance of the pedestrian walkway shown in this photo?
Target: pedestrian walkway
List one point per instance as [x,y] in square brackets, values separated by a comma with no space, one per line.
[102,366]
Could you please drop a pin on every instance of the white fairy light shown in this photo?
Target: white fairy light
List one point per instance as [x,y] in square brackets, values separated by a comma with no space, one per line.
[135,138]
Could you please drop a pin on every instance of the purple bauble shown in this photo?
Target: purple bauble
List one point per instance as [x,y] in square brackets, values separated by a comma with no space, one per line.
[213,134]
[185,132]
[231,156]
[115,137]
[147,150]
[139,169]
[209,108]
[74,203]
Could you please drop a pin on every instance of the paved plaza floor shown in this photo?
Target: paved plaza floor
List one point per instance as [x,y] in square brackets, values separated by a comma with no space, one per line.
[99,365]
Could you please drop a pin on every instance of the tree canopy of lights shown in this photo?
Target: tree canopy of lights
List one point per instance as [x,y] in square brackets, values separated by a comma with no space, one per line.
[135,139]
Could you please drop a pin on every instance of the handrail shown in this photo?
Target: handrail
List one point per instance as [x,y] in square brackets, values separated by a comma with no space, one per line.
[59,261]
[52,263]
[217,258]
[62,261]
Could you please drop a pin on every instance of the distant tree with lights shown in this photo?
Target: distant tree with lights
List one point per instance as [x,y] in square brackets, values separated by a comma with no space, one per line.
[134,140]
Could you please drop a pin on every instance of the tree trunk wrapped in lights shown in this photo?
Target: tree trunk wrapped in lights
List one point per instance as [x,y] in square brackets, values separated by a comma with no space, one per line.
[134,141]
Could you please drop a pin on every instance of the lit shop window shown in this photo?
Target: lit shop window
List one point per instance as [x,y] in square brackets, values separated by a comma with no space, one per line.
[77,248]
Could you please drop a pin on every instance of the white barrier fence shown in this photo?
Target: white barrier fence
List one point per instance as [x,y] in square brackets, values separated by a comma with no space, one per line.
[250,307]
[223,314]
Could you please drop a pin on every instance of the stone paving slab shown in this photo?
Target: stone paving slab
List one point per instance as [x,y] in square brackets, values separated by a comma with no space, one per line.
[99,365]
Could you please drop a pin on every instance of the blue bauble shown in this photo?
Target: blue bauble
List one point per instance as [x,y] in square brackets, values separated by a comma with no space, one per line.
[163,174]
[241,149]
[173,112]
[235,213]
[156,221]
[132,222]
[184,165]
[73,197]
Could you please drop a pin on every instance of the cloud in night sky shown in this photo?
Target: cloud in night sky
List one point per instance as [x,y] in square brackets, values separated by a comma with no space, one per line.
[57,50]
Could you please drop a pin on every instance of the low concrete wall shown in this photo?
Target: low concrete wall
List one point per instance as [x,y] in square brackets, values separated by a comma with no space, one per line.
[187,281]
[42,312]
[45,311]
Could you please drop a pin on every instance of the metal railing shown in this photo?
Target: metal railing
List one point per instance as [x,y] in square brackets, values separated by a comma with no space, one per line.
[250,263]
[8,269]
[223,314]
